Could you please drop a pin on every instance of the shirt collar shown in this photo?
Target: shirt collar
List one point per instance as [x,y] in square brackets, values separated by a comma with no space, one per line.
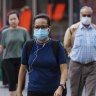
[81,26]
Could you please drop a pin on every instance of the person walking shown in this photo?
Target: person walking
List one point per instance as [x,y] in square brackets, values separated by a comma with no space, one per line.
[80,43]
[47,77]
[4,78]
[12,40]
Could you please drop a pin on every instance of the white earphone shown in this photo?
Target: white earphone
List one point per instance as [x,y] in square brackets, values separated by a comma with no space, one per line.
[35,53]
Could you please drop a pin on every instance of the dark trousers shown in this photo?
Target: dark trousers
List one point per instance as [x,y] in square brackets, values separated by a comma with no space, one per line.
[82,75]
[29,93]
[4,77]
[11,68]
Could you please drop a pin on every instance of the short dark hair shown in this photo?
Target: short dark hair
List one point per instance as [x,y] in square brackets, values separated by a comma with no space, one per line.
[13,12]
[42,16]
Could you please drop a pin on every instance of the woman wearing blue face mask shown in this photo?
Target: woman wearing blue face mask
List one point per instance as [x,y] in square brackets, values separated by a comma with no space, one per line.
[47,77]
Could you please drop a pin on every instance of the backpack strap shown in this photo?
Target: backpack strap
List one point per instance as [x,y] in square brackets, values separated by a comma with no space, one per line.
[55,47]
[29,45]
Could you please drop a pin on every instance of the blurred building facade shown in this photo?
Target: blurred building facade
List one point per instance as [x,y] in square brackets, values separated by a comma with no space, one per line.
[57,10]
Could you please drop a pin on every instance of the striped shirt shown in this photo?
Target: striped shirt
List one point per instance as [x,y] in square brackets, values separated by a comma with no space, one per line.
[84,48]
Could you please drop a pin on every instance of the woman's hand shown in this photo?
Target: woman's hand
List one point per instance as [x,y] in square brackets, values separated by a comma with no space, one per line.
[58,92]
[1,49]
[19,93]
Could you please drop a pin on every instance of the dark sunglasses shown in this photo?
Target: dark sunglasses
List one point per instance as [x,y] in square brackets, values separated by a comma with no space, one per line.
[41,27]
[86,15]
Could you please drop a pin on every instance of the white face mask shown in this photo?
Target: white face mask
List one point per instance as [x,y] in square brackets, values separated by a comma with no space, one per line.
[85,20]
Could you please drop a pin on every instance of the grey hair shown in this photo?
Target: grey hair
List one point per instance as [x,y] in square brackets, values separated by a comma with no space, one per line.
[86,7]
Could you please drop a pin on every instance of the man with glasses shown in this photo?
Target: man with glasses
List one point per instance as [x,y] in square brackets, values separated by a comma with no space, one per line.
[80,43]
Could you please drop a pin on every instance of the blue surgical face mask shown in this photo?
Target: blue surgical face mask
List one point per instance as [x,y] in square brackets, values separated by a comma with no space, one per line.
[40,34]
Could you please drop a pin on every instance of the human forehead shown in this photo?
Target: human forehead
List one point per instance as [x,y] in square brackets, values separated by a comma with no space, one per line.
[86,11]
[13,16]
[40,21]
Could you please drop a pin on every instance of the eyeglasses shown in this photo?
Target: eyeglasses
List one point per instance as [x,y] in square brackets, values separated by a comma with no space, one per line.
[86,15]
[42,27]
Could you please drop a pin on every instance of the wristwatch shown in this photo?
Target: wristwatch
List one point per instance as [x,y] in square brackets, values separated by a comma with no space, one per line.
[62,85]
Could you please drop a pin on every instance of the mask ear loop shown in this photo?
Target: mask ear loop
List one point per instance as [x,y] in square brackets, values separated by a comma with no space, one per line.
[35,53]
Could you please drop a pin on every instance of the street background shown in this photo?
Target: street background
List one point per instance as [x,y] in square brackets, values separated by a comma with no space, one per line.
[62,13]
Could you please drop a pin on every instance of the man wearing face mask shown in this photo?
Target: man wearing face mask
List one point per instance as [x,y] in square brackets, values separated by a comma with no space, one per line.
[80,43]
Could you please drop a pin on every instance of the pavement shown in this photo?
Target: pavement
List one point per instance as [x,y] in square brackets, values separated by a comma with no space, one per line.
[4,90]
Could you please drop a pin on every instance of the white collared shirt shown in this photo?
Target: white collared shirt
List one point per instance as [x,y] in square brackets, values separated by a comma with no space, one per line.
[84,48]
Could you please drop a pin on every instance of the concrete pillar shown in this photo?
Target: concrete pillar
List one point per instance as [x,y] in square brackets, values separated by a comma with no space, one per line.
[4,12]
[34,7]
[70,11]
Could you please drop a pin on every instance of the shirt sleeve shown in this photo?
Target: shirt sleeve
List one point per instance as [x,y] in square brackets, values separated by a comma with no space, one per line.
[62,55]
[23,55]
[27,36]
